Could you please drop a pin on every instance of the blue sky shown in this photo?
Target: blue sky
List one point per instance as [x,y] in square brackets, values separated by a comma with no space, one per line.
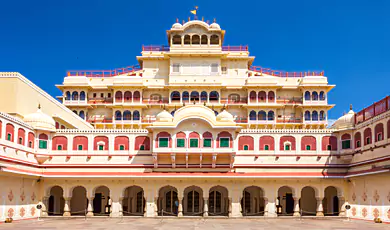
[350,40]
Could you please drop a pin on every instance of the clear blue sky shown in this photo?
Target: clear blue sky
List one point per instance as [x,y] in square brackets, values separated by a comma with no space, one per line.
[349,39]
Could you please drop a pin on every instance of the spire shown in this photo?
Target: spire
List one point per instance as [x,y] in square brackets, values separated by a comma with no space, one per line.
[39,106]
[350,107]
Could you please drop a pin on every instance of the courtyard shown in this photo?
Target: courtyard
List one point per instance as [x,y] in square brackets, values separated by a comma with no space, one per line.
[192,223]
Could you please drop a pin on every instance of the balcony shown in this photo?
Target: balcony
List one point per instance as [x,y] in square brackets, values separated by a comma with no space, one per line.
[156,48]
[278,73]
[101,100]
[235,48]
[104,73]
[155,101]
[231,101]
[289,100]
[75,102]
[289,120]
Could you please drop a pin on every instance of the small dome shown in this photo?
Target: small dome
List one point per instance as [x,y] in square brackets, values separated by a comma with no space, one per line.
[177,26]
[164,116]
[215,26]
[40,121]
[225,116]
[347,121]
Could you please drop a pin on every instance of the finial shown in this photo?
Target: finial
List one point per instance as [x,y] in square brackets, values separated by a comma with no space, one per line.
[194,101]
[183,22]
[177,20]
[163,106]
[208,22]
[202,19]
[189,18]
[184,104]
[39,106]
[204,103]
[215,20]
[350,107]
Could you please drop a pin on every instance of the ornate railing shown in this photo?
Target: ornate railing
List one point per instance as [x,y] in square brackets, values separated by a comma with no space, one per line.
[279,73]
[373,110]
[104,73]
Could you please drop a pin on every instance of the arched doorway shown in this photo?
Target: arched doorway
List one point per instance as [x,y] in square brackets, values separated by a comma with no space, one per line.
[218,201]
[101,202]
[79,201]
[133,202]
[56,201]
[252,202]
[193,201]
[331,202]
[285,203]
[168,202]
[308,201]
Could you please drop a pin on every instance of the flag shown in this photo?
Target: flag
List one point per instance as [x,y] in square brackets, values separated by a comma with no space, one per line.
[193,12]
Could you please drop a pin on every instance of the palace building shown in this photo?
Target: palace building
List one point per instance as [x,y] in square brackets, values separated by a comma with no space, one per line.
[195,129]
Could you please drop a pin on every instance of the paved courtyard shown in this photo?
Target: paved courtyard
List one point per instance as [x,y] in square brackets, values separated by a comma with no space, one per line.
[189,224]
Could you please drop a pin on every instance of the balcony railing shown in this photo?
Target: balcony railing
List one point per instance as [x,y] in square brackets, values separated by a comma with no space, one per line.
[163,100]
[279,73]
[235,48]
[104,73]
[162,48]
[373,110]
[145,120]
[278,120]
[289,100]
[233,101]
[100,100]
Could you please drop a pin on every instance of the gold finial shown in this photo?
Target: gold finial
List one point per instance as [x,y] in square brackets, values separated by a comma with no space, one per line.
[189,18]
[183,22]
[350,107]
[39,106]
[215,20]
[202,19]
[177,20]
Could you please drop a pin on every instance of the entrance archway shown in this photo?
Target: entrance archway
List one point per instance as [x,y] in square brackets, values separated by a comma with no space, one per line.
[193,201]
[56,201]
[101,202]
[285,203]
[79,201]
[308,201]
[331,202]
[252,202]
[218,201]
[133,202]
[168,202]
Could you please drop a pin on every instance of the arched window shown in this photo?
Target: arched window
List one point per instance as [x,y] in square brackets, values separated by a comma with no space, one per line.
[118,96]
[82,95]
[271,96]
[43,141]
[214,96]
[245,143]
[214,40]
[287,143]
[136,115]
[358,140]
[176,40]
[194,96]
[204,40]
[308,143]
[234,98]
[307,115]
[322,96]
[252,115]
[74,111]
[128,96]
[67,95]
[187,39]
[118,115]
[262,116]
[379,132]
[75,96]
[126,115]
[82,115]
[262,96]
[195,39]
[322,116]
[175,96]
[203,96]
[307,96]
[346,141]
[367,136]
[136,96]
[271,115]
[314,96]
[185,96]
[314,116]
[252,96]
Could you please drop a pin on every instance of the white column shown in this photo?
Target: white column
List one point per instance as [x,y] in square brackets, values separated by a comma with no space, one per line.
[180,208]
[205,206]
[342,204]
[116,206]
[296,207]
[320,208]
[90,206]
[270,207]
[235,204]
[67,206]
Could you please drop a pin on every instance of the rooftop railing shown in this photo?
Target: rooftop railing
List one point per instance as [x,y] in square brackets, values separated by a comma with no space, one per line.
[104,73]
[279,73]
[235,48]
[158,48]
[373,110]
[100,100]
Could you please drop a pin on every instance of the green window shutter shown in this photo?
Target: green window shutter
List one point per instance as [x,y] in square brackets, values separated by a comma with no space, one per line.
[142,147]
[121,147]
[59,147]
[193,143]
[307,147]
[287,147]
[246,147]
[101,147]
[266,147]
[346,144]
[207,143]
[329,147]
[9,136]
[20,140]
[224,142]
[163,142]
[180,143]
[80,147]
[42,144]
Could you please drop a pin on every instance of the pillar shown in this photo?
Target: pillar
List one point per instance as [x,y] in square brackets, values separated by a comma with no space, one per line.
[45,201]
[296,207]
[235,207]
[116,206]
[67,206]
[342,204]
[320,208]
[150,205]
[90,206]
[230,208]
[180,208]
[270,207]
[205,206]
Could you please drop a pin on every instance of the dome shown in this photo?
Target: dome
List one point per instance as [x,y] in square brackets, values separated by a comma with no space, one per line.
[215,26]
[164,116]
[177,26]
[40,121]
[347,121]
[225,116]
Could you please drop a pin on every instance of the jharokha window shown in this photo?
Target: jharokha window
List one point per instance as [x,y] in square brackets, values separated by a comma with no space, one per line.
[180,143]
[194,143]
[224,142]
[163,142]
[207,143]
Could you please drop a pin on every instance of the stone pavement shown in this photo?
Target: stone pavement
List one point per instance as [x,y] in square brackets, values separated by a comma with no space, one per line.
[191,224]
